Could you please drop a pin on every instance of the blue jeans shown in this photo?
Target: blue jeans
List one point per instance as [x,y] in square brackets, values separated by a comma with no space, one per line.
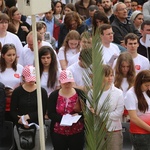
[140,141]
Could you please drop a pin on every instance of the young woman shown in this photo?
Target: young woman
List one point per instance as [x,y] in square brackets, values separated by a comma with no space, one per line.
[70,47]
[22,28]
[24,105]
[99,18]
[137,102]
[61,102]
[124,76]
[115,102]
[137,19]
[2,6]
[72,21]
[124,72]
[68,8]
[48,69]
[58,10]
[10,73]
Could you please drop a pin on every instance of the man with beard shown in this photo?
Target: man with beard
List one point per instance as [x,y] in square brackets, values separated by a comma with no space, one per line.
[107,5]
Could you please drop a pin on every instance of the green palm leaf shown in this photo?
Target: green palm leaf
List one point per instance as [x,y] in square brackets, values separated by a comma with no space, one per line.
[95,123]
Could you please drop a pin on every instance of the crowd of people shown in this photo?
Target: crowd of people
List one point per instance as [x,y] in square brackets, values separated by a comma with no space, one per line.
[64,37]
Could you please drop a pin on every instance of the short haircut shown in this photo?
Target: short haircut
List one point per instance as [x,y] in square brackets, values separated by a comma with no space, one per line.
[3,17]
[116,5]
[104,27]
[130,36]
[146,22]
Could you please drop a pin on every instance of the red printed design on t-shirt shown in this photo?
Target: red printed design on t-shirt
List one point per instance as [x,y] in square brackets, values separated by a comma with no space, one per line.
[137,67]
[16,75]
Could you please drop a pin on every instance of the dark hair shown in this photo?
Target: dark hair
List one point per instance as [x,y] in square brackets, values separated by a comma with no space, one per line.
[53,68]
[4,50]
[55,3]
[104,27]
[10,3]
[86,56]
[70,6]
[142,77]
[146,22]
[130,36]
[99,15]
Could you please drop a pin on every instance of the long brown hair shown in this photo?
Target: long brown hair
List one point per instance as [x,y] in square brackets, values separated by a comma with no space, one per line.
[53,68]
[72,35]
[124,57]
[142,77]
[4,50]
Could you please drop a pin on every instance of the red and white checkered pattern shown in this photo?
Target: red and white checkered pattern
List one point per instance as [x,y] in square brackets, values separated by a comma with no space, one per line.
[66,76]
[29,73]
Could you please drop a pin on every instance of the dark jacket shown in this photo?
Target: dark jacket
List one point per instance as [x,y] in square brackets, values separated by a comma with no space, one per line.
[51,107]
[143,50]
[121,30]
[23,102]
[64,31]
[82,10]
[2,108]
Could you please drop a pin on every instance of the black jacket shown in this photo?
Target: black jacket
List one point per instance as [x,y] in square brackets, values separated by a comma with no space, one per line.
[121,30]
[51,107]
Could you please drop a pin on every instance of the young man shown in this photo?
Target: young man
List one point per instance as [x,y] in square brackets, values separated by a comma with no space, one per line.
[107,5]
[53,24]
[110,51]
[140,62]
[144,49]
[81,67]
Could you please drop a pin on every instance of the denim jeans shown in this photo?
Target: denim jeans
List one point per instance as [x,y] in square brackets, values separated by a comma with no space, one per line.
[140,141]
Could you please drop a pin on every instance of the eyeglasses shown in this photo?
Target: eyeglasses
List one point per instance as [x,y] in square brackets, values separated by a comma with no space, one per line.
[122,9]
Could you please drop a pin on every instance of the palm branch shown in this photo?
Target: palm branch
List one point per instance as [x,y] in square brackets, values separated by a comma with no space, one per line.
[95,123]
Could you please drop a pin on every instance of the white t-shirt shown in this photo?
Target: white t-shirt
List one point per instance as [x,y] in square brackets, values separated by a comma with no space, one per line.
[74,59]
[131,103]
[44,78]
[12,78]
[11,38]
[115,106]
[78,73]
[69,54]
[27,57]
[124,86]
[108,52]
[140,62]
